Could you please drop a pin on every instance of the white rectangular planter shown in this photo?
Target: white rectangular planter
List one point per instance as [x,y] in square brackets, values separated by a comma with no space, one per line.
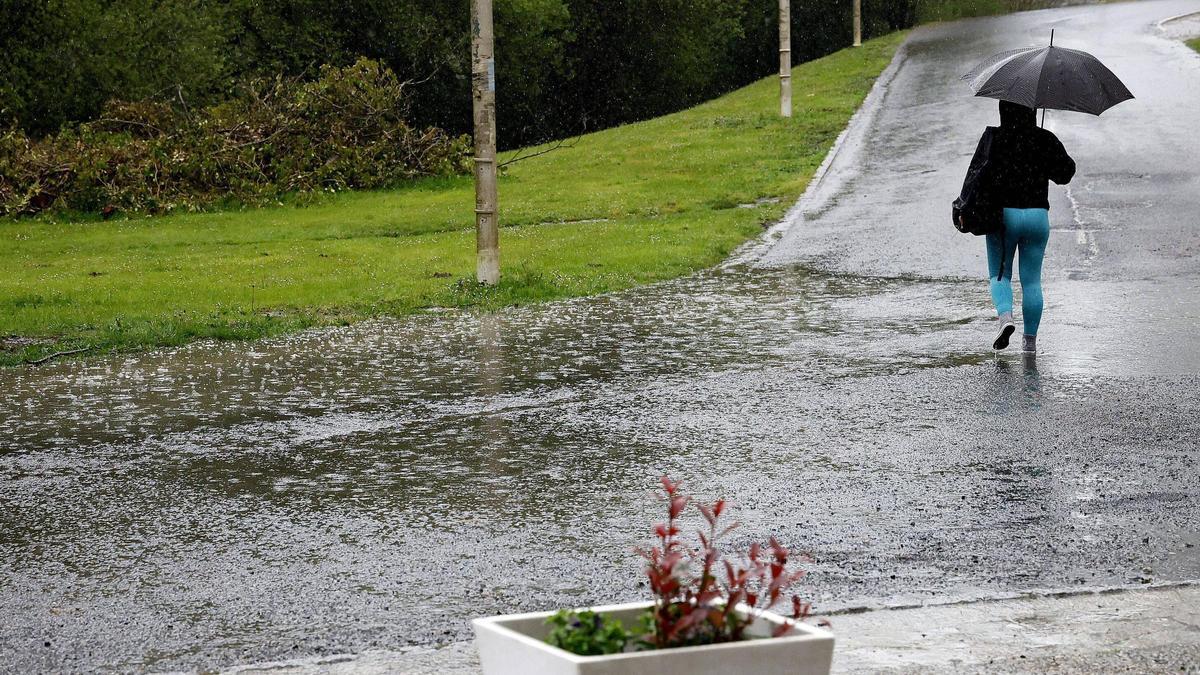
[515,644]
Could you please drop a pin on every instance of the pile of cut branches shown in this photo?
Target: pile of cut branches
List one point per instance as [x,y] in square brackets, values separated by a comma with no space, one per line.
[346,129]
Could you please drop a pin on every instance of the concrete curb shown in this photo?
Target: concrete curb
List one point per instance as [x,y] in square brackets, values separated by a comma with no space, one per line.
[851,136]
[1036,594]
[1144,630]
[1163,22]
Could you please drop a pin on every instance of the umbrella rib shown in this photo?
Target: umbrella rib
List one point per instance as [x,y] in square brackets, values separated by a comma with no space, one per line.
[993,63]
[1037,92]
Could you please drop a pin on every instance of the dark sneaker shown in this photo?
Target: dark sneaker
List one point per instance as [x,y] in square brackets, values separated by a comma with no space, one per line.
[1007,328]
[1029,344]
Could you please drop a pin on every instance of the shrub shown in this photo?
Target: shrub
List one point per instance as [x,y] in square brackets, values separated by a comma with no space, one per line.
[345,129]
[587,633]
[692,606]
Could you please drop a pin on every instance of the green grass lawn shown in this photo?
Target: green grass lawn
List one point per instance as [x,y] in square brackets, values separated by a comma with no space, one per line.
[620,207]
[949,10]
[1194,43]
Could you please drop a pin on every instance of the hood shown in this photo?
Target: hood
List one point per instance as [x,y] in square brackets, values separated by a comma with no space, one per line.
[1015,116]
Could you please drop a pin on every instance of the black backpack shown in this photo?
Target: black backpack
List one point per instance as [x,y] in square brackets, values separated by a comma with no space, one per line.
[977,210]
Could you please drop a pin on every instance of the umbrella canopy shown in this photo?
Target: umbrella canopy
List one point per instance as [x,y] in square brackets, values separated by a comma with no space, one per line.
[1049,77]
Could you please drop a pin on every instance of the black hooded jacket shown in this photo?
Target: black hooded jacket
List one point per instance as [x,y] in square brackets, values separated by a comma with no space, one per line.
[1023,157]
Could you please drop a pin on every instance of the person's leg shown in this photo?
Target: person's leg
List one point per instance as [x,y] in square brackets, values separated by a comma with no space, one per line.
[1002,294]
[1035,234]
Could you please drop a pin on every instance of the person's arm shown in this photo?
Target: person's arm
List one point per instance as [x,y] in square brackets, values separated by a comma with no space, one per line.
[980,156]
[971,180]
[1060,168]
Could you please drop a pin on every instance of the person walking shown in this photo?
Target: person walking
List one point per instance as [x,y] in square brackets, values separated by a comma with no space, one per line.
[1021,158]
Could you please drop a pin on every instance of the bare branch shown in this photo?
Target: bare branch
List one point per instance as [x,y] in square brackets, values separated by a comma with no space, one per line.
[562,143]
[109,120]
[55,355]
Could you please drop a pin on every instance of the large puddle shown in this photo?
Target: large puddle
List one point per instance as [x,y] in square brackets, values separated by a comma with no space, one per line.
[380,484]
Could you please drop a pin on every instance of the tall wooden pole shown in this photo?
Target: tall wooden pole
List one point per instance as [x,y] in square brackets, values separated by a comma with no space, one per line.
[857,23]
[785,58]
[483,85]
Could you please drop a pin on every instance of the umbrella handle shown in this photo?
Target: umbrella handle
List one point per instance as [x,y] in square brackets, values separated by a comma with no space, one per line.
[1043,109]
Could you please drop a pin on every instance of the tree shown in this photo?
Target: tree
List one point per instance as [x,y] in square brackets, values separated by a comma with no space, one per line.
[61,60]
[564,65]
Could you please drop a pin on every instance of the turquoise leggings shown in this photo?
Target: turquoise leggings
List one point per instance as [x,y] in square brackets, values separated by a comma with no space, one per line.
[1029,231]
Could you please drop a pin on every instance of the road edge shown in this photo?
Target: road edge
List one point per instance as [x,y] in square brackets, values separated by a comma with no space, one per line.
[851,136]
[1163,22]
[1077,631]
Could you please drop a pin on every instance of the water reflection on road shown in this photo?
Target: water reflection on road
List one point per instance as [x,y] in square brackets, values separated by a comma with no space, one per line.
[379,484]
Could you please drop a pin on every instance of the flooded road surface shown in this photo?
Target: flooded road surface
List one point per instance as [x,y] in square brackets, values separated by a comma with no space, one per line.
[378,485]
[381,484]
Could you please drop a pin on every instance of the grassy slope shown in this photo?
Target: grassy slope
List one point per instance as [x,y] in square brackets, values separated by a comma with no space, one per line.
[949,10]
[1194,44]
[624,206]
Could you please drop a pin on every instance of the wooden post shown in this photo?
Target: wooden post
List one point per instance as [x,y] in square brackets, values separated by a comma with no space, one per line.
[857,23]
[483,85]
[785,58]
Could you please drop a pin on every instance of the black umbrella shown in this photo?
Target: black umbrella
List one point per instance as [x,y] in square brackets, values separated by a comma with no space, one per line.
[1049,77]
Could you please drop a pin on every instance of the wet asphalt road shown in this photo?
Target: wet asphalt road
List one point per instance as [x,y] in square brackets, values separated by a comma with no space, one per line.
[378,485]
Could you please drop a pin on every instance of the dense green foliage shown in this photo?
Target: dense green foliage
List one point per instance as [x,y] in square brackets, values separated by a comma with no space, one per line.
[947,10]
[587,633]
[346,129]
[563,65]
[62,60]
[621,207]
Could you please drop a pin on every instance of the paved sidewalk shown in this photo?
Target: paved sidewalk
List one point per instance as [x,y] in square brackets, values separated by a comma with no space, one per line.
[1150,630]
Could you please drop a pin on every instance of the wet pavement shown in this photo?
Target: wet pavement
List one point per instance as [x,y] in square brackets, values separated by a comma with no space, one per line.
[376,486]
[1131,212]
[1144,630]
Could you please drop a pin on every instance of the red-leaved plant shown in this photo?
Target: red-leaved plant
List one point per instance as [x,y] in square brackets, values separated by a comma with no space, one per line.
[691,605]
